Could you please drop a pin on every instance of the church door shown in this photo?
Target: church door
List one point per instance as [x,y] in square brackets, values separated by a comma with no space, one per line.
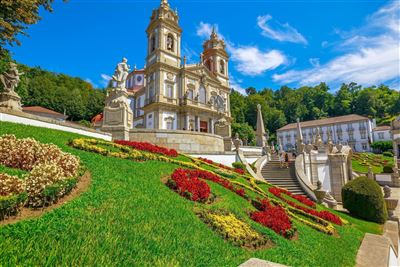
[203,127]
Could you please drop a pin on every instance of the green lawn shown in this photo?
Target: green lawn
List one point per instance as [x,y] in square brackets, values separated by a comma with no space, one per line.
[361,162]
[129,218]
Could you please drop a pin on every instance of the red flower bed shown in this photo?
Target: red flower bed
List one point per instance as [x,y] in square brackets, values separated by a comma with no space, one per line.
[144,146]
[303,199]
[189,187]
[222,166]
[275,218]
[326,215]
[216,179]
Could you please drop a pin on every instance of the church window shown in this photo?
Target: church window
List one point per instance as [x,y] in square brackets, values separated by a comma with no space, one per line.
[169,90]
[222,66]
[152,43]
[190,94]
[202,95]
[170,42]
[208,64]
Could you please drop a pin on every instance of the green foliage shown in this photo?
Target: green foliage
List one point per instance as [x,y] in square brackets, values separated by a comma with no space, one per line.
[285,105]
[382,146]
[239,165]
[363,198]
[362,161]
[16,15]
[388,168]
[387,154]
[244,130]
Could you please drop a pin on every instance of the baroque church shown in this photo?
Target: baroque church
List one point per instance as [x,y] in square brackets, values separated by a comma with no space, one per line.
[170,94]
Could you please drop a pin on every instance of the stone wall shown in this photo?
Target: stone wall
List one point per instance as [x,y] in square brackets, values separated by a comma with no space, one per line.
[182,141]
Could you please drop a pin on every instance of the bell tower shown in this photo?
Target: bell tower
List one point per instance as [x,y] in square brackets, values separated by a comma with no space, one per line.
[164,36]
[215,57]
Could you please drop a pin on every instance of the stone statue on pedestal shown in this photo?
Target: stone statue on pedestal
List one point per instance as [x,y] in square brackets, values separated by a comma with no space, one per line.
[10,80]
[121,74]
[118,115]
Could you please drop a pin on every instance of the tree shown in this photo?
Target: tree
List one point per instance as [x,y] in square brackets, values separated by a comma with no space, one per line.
[251,91]
[238,106]
[244,130]
[16,15]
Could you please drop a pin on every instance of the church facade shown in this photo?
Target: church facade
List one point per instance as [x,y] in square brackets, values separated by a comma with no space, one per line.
[169,94]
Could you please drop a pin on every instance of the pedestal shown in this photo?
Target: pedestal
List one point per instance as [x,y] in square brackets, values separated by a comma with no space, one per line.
[10,100]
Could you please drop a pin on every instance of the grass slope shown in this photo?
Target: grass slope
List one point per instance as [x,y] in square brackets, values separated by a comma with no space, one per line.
[361,162]
[129,218]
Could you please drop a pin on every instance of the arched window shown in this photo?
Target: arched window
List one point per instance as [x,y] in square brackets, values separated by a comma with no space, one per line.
[202,95]
[170,42]
[152,43]
[222,66]
[208,64]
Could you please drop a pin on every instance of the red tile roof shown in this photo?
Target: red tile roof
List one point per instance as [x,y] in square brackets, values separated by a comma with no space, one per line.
[38,109]
[321,122]
[135,88]
[381,128]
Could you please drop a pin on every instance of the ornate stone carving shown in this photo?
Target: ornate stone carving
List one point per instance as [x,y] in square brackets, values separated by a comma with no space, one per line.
[10,80]
[121,73]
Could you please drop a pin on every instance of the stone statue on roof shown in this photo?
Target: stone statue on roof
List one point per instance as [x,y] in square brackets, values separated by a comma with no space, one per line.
[121,74]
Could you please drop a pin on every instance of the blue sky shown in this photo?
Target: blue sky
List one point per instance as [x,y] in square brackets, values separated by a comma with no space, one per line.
[271,43]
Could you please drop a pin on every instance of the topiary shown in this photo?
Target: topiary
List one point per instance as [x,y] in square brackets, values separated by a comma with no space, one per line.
[388,154]
[239,165]
[388,168]
[363,198]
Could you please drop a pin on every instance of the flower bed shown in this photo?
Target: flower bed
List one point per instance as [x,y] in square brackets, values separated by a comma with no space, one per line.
[144,146]
[51,173]
[190,187]
[12,195]
[302,199]
[275,218]
[326,215]
[222,166]
[232,229]
[216,179]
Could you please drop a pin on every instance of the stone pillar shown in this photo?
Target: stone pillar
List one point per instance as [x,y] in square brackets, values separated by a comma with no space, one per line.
[187,122]
[212,126]
[260,131]
[198,123]
[118,115]
[338,174]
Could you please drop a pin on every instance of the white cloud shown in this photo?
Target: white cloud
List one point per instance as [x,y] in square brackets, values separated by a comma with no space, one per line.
[371,55]
[281,32]
[191,55]
[236,84]
[252,61]
[105,79]
[249,60]
[314,62]
[204,29]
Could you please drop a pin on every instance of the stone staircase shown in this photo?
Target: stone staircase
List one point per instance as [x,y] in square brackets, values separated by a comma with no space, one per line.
[282,177]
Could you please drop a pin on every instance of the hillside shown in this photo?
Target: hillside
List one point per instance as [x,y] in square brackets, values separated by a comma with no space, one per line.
[129,217]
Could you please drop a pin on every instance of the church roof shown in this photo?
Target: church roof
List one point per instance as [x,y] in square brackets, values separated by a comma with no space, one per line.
[381,128]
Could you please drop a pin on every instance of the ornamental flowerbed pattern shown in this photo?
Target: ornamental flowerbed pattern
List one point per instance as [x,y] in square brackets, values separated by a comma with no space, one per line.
[189,186]
[232,229]
[275,218]
[144,146]
[51,174]
[326,215]
[222,166]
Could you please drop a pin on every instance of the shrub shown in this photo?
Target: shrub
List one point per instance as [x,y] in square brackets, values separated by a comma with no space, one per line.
[388,168]
[12,195]
[39,181]
[387,154]
[239,165]
[363,198]
[382,146]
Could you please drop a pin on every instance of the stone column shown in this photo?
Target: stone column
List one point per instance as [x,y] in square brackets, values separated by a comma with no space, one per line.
[212,126]
[198,123]
[260,131]
[338,174]
[187,123]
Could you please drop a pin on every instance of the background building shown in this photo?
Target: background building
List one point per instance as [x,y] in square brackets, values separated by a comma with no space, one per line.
[353,130]
[381,133]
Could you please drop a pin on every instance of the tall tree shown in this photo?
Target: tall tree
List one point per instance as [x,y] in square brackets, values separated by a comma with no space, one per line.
[16,16]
